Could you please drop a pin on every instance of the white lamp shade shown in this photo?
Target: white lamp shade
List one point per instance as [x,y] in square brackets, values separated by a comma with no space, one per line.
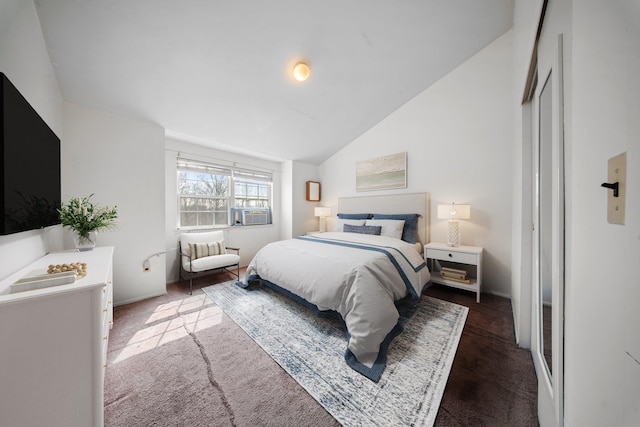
[454,211]
[322,211]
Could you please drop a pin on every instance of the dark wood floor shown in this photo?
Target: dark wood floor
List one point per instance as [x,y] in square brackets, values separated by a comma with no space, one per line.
[492,381]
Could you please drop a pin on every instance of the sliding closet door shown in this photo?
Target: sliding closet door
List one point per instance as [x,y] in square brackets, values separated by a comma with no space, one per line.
[548,239]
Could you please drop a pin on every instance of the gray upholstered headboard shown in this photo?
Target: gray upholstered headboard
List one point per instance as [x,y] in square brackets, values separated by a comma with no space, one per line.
[392,204]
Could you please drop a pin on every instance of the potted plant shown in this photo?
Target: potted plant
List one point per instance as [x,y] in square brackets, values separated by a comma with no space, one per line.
[86,218]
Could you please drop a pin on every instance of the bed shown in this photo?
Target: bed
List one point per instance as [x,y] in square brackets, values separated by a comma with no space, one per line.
[365,278]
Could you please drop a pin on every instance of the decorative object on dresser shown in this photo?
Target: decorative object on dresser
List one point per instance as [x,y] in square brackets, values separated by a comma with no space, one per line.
[322,212]
[38,280]
[459,260]
[79,268]
[86,218]
[56,274]
[453,213]
[54,344]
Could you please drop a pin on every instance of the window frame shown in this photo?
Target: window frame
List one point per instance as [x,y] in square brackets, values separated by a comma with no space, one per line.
[234,174]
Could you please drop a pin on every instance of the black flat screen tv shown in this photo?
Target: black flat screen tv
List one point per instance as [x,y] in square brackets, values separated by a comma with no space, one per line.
[30,157]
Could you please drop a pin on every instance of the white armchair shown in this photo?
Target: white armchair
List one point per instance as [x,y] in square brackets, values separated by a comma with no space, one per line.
[206,251]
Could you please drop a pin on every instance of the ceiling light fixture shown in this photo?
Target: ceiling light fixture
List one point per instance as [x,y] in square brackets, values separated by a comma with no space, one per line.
[301,71]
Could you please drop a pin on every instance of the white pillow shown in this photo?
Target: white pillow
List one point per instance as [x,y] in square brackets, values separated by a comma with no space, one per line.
[341,222]
[390,227]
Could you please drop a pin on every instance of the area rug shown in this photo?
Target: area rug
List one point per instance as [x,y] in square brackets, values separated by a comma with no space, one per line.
[311,346]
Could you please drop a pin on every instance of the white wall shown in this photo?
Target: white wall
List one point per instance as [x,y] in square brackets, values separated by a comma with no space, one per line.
[458,137]
[121,162]
[297,212]
[248,239]
[602,344]
[303,219]
[286,201]
[25,61]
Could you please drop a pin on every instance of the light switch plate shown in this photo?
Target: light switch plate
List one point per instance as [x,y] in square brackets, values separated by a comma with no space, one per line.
[617,173]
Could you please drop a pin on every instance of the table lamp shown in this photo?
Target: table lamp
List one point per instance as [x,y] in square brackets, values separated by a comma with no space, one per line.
[453,213]
[322,212]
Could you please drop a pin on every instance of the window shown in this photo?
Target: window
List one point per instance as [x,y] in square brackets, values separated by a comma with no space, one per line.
[251,189]
[217,196]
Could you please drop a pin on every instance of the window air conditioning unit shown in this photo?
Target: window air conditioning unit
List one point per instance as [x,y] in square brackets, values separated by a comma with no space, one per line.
[254,216]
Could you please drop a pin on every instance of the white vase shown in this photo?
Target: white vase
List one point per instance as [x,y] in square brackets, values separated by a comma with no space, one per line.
[85,243]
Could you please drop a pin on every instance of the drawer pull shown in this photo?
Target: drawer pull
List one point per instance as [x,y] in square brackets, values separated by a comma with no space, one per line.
[104,310]
[105,338]
[450,255]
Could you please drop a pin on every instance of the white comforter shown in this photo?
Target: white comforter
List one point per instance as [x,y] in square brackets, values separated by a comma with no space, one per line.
[333,271]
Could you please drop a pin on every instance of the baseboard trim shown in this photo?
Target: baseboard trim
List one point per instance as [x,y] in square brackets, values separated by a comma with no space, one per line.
[140,298]
[186,276]
[498,294]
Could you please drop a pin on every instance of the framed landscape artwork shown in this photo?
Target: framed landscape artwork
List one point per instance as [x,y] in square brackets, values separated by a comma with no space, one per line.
[382,173]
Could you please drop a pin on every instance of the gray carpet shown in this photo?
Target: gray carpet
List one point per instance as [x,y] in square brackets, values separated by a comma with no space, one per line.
[178,360]
[310,347]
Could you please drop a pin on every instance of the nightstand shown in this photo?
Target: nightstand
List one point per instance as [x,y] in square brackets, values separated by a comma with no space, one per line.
[460,255]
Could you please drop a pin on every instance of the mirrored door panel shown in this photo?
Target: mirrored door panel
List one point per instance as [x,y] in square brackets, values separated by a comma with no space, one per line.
[548,239]
[545,215]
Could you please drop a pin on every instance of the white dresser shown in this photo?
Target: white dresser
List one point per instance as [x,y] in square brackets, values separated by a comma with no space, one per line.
[53,345]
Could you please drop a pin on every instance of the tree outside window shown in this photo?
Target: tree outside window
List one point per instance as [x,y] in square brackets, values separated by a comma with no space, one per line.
[205,198]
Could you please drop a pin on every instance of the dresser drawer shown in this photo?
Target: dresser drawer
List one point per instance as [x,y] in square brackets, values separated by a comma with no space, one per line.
[444,255]
[104,297]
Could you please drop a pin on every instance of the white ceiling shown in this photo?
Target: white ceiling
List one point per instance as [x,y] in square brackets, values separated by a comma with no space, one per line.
[218,71]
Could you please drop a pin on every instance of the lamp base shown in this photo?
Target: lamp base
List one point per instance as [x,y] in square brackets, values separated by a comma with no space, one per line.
[452,236]
[322,226]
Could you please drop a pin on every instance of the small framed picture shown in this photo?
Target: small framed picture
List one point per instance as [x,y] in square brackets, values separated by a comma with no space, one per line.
[313,191]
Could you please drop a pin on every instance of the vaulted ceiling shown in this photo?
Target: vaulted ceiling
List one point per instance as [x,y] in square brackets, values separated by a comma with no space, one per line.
[218,72]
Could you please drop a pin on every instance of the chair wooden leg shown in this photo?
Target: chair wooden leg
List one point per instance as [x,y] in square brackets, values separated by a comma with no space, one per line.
[190,283]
